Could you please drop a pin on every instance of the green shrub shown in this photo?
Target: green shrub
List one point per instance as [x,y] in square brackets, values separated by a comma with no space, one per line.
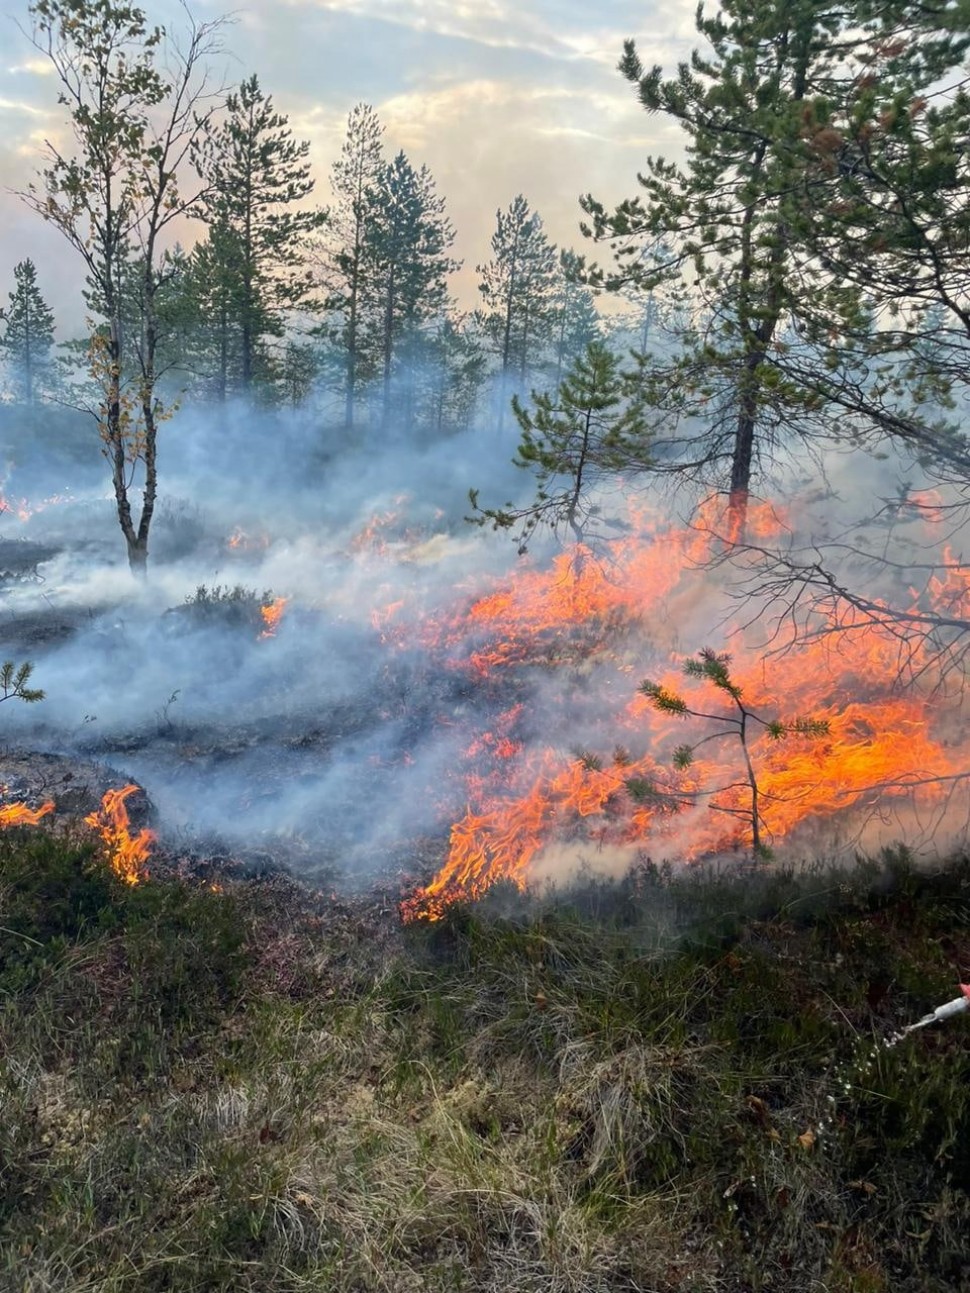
[235,607]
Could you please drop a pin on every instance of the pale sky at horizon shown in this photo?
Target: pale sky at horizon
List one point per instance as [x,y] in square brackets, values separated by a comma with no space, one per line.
[495,99]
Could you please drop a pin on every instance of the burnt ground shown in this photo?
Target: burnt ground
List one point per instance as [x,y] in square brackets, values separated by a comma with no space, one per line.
[281,746]
[361,778]
[77,785]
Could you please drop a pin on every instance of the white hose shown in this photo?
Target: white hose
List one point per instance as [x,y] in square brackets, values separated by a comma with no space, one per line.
[954,1007]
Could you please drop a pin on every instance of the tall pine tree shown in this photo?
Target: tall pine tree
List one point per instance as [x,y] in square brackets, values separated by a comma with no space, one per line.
[407,266]
[518,287]
[573,316]
[28,334]
[355,181]
[733,221]
[256,175]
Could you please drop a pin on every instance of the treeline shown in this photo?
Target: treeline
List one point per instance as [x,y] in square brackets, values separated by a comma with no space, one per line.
[798,280]
[344,307]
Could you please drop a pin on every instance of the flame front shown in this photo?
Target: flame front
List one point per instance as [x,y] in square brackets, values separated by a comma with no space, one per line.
[624,606]
[21,815]
[127,853]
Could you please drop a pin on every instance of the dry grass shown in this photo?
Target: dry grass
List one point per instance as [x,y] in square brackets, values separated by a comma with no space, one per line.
[660,1086]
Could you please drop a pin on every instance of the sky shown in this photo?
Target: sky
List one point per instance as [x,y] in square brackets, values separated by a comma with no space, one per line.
[495,97]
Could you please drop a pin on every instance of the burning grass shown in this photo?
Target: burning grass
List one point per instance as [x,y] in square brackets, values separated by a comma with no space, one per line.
[127,854]
[667,1083]
[864,747]
[23,815]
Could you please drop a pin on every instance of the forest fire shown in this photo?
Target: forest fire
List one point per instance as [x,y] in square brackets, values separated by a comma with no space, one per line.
[21,815]
[624,608]
[127,853]
[272,614]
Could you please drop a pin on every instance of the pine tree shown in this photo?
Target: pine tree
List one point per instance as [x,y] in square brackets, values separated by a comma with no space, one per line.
[740,724]
[573,316]
[29,333]
[732,220]
[299,370]
[453,371]
[889,162]
[517,287]
[215,281]
[256,173]
[407,265]
[355,180]
[572,441]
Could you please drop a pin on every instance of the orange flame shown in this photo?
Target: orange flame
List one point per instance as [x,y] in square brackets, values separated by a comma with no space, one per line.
[24,510]
[19,508]
[127,853]
[241,541]
[272,614]
[373,537]
[21,815]
[881,746]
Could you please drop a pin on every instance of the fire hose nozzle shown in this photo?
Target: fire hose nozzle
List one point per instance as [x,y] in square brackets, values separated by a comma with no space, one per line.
[954,1007]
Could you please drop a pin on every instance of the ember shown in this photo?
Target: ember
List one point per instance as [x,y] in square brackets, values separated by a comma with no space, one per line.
[127,853]
[15,507]
[23,510]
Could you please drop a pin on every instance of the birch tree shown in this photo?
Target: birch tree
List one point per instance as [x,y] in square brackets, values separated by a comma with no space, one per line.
[135,101]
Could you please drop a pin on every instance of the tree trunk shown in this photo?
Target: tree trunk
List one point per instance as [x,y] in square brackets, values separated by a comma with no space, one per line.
[351,377]
[507,333]
[28,358]
[223,379]
[138,558]
[743,452]
[388,347]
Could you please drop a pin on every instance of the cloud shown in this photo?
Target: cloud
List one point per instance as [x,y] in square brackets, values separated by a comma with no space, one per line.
[495,98]
[547,29]
[484,22]
[20,108]
[32,67]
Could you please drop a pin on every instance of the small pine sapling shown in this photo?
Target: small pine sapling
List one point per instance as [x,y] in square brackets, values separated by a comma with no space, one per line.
[13,683]
[573,442]
[713,667]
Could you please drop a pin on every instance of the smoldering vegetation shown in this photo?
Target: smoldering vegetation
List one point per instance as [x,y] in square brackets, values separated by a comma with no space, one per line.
[362,723]
[319,729]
